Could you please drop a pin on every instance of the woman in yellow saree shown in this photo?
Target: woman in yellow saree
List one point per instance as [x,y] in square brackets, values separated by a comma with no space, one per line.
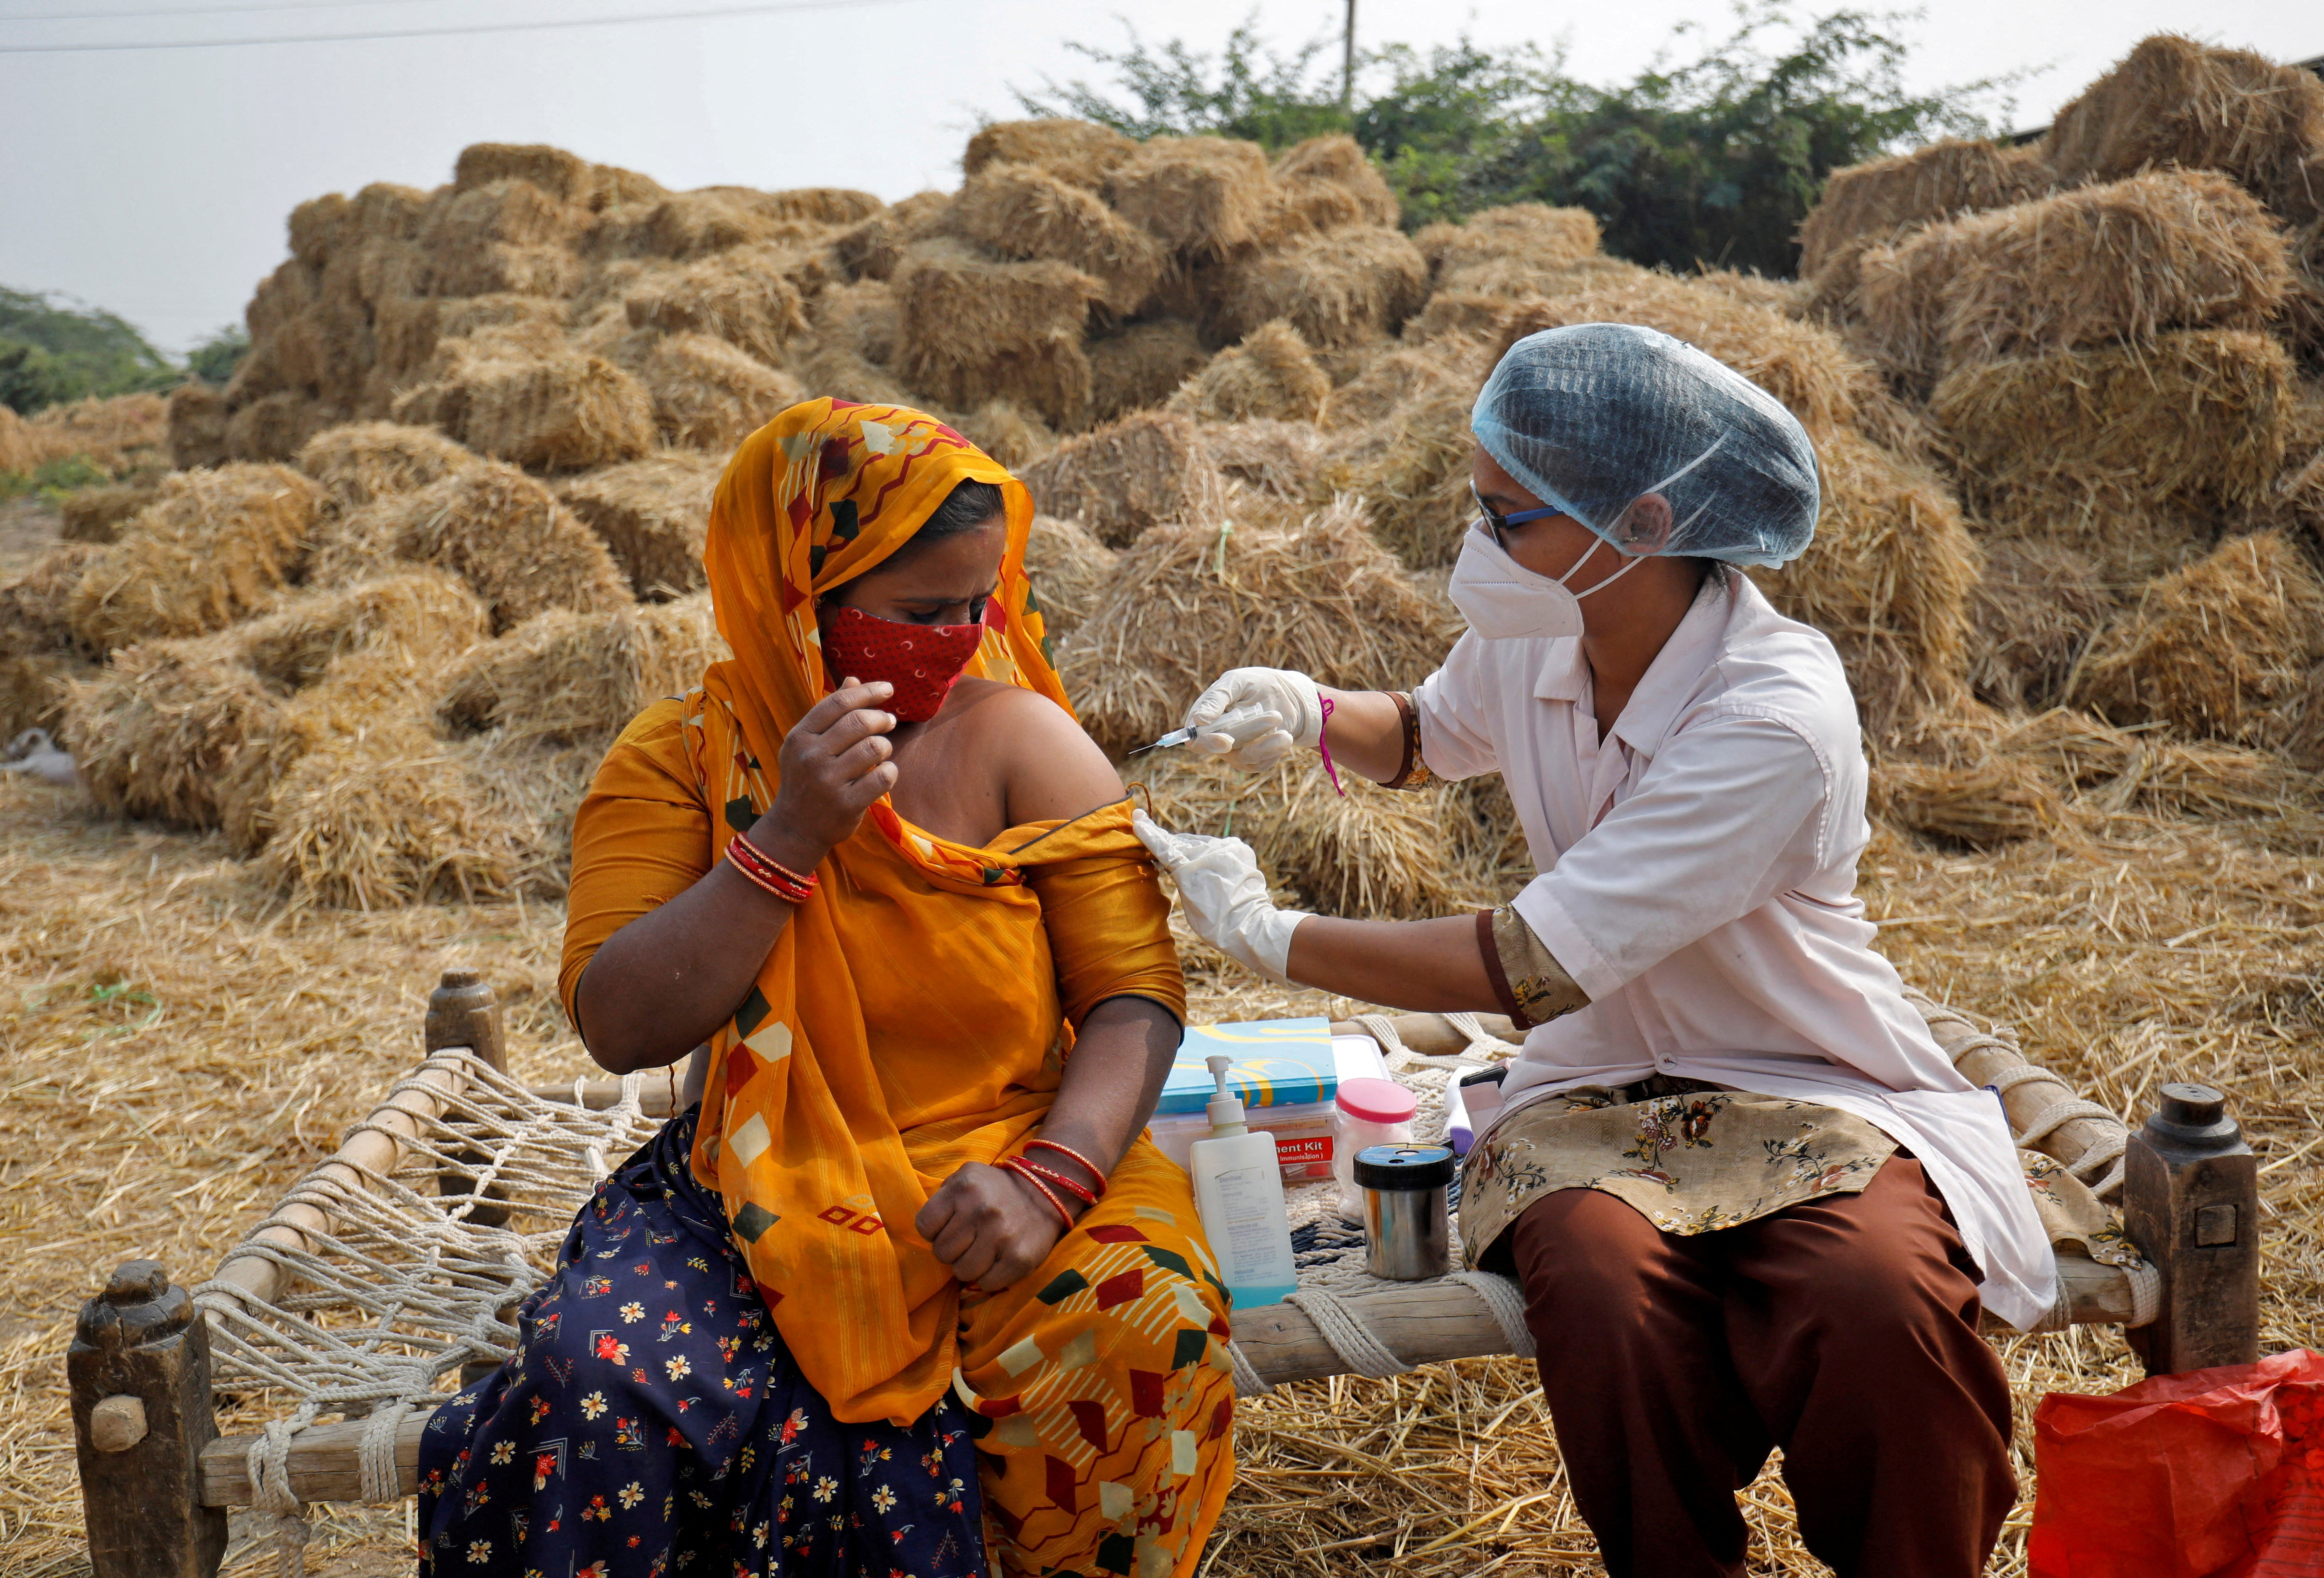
[907,1292]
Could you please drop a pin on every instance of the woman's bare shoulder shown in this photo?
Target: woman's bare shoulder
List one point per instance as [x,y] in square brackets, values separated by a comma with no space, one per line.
[1051,766]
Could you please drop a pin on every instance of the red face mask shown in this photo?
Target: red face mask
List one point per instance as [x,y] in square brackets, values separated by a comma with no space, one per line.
[921,661]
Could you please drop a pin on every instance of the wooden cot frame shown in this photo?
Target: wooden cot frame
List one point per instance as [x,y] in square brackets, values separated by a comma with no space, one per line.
[157,1478]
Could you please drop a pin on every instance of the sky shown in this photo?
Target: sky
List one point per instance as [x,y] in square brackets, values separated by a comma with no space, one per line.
[155,182]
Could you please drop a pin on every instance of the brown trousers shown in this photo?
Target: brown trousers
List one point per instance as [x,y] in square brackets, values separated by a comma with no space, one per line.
[1843,1330]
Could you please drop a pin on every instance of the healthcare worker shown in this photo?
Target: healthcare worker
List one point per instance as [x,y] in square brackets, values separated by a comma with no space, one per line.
[1751,1203]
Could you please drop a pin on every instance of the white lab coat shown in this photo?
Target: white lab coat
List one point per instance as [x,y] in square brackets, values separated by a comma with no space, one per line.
[1697,879]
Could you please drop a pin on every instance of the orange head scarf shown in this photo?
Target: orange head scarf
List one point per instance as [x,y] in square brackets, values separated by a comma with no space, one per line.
[796,1131]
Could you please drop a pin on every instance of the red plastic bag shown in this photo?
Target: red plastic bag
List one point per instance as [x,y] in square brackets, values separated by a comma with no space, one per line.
[2216,1473]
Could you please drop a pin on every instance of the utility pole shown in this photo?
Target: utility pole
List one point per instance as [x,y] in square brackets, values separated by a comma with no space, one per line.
[1348,64]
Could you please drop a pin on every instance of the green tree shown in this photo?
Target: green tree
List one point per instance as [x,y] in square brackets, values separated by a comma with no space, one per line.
[214,359]
[1713,160]
[51,352]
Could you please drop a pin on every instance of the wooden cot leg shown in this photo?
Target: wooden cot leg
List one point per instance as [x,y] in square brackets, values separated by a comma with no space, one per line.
[463,1011]
[139,1371]
[2190,1201]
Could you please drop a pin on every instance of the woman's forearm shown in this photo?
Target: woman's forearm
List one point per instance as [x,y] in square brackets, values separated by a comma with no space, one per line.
[1433,966]
[1365,732]
[1112,1078]
[663,984]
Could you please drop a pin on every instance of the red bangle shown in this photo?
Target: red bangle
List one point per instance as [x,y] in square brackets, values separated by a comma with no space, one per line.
[1095,1171]
[777,879]
[1060,1180]
[1015,1165]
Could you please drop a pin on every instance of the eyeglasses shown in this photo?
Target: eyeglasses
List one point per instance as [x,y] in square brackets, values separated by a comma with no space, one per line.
[1498,523]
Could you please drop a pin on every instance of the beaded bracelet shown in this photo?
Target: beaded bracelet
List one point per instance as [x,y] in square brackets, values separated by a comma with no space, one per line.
[1061,1180]
[777,879]
[1015,1165]
[1095,1171]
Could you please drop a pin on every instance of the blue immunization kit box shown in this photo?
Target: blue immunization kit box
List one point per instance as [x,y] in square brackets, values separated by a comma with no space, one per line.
[1278,1062]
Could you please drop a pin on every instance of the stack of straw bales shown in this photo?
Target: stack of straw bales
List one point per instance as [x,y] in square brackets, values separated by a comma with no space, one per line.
[2055,392]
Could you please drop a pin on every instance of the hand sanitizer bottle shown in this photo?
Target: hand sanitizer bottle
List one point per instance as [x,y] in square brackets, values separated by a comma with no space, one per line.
[1239,1190]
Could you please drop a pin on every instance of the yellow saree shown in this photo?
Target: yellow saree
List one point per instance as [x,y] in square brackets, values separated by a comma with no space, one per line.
[913,1017]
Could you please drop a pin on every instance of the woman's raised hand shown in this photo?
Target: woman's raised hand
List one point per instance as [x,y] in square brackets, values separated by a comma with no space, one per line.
[835,763]
[989,1227]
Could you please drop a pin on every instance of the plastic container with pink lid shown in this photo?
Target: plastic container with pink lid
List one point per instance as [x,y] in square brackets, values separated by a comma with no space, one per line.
[1366,1113]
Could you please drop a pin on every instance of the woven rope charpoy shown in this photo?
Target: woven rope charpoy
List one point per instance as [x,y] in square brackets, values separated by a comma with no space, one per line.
[422,1267]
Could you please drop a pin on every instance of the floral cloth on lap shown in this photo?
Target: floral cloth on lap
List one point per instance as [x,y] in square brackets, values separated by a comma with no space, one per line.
[651,1422]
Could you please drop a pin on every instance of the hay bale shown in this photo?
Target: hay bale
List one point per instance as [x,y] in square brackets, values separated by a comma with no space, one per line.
[822,204]
[1286,459]
[34,688]
[1272,374]
[1343,287]
[566,177]
[276,428]
[1331,182]
[2070,443]
[1081,152]
[1201,196]
[709,395]
[1889,576]
[2032,615]
[651,514]
[378,815]
[1531,232]
[1412,472]
[617,189]
[1246,582]
[1370,854]
[1805,366]
[1070,569]
[155,731]
[36,607]
[689,226]
[1454,365]
[1123,479]
[974,329]
[508,236]
[572,678]
[409,328]
[95,515]
[16,454]
[2174,101]
[1009,433]
[360,462]
[1882,199]
[872,250]
[497,530]
[118,435]
[1021,211]
[198,421]
[1982,804]
[217,546]
[317,226]
[2176,249]
[518,398]
[1141,366]
[2211,648]
[1787,296]
[741,296]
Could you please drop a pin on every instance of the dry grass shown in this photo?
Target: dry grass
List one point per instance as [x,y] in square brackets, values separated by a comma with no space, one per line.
[96,515]
[2079,443]
[1329,180]
[2174,101]
[1123,478]
[1078,151]
[1009,433]
[533,404]
[1344,287]
[1283,458]
[707,395]
[36,607]
[873,248]
[579,679]
[197,423]
[1888,577]
[743,297]
[1201,196]
[1141,366]
[2032,614]
[1879,201]
[217,546]
[1257,582]
[363,462]
[2214,649]
[974,330]
[1272,374]
[1412,470]
[1528,232]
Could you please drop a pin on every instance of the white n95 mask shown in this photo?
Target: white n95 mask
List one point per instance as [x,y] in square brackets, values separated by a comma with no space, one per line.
[1505,601]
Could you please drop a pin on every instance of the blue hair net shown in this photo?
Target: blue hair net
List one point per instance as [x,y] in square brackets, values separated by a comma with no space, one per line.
[1591,417]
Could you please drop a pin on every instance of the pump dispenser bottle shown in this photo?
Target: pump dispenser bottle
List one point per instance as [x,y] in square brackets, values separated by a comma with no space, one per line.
[1239,1191]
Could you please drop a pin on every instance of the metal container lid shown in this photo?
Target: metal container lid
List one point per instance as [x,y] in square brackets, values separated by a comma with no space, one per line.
[1403,1167]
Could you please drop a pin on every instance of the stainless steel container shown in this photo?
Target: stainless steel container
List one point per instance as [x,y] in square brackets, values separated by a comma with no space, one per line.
[1408,1236]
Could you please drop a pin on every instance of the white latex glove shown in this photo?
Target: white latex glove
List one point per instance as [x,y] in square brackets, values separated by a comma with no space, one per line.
[1224,895]
[1290,715]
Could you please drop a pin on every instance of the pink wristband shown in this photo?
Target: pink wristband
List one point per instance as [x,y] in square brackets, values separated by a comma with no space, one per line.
[1324,745]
